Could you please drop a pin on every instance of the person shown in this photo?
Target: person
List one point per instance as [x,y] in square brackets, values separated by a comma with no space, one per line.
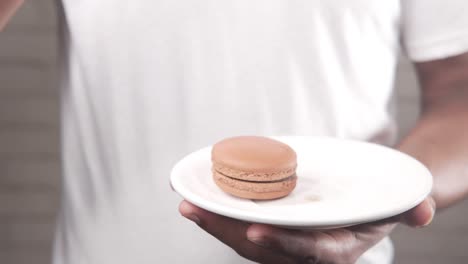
[145,82]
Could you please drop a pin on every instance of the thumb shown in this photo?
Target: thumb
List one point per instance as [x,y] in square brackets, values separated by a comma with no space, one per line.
[421,215]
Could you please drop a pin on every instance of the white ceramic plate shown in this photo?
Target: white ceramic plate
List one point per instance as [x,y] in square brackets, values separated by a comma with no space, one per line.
[340,183]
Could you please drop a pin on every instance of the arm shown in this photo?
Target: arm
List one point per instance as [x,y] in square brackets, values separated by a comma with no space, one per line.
[440,139]
[437,140]
[7,9]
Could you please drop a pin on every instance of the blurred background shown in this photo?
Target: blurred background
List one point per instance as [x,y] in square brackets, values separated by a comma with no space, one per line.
[30,150]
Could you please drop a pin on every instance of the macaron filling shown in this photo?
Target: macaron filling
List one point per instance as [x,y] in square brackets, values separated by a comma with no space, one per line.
[252,175]
[256,187]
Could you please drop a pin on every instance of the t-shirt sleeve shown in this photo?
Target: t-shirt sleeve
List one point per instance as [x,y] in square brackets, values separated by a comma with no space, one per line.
[434,29]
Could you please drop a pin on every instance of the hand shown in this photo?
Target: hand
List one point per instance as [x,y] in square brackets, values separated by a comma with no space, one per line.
[268,244]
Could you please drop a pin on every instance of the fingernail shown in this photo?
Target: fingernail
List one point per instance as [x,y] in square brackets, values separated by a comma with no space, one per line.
[187,211]
[427,223]
[259,241]
[255,236]
[193,218]
[432,203]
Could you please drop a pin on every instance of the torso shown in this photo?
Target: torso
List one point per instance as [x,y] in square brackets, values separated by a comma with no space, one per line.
[151,80]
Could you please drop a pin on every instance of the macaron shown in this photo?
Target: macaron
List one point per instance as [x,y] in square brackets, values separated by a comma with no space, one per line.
[254,167]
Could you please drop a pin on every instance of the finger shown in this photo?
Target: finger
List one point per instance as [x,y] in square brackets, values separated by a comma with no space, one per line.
[421,215]
[329,246]
[229,229]
[231,232]
[300,246]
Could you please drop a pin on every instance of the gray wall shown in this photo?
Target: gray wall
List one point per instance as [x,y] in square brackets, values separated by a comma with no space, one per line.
[29,150]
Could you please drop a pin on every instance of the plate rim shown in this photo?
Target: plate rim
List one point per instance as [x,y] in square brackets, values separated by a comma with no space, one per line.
[243,215]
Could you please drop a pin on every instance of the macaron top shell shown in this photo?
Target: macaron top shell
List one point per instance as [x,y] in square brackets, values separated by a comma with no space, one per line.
[254,154]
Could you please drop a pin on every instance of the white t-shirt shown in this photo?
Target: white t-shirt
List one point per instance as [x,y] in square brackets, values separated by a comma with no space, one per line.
[148,81]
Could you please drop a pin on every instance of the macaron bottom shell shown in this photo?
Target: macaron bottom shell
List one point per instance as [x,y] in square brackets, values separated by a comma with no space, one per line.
[255,190]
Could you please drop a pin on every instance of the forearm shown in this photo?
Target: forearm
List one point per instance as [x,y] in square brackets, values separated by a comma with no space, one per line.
[440,141]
